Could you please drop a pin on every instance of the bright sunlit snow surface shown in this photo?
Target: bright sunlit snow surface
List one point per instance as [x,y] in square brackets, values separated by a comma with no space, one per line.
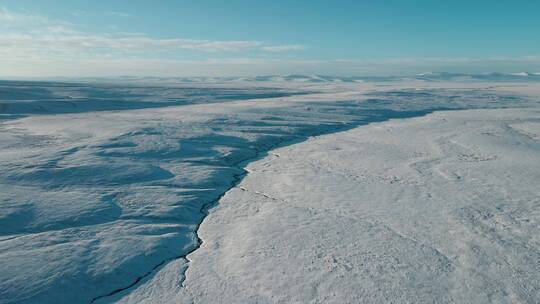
[438,209]
[103,188]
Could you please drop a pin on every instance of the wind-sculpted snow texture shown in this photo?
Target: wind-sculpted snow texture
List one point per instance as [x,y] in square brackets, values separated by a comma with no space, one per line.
[95,202]
[437,209]
[19,98]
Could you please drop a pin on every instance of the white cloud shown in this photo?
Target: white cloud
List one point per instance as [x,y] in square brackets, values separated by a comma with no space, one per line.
[120,14]
[37,36]
[61,41]
[283,48]
[10,19]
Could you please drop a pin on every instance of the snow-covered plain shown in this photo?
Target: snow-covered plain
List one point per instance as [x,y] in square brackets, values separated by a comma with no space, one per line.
[103,189]
[439,209]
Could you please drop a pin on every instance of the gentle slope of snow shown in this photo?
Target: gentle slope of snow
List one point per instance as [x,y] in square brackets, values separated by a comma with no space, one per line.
[441,209]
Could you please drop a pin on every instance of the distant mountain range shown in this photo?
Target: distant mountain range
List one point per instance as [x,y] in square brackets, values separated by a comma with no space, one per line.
[523,76]
[430,76]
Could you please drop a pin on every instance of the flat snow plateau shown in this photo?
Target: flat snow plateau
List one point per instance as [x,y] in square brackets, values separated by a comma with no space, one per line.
[103,189]
[439,209]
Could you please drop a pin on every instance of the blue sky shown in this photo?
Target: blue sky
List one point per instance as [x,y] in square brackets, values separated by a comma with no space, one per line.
[187,38]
